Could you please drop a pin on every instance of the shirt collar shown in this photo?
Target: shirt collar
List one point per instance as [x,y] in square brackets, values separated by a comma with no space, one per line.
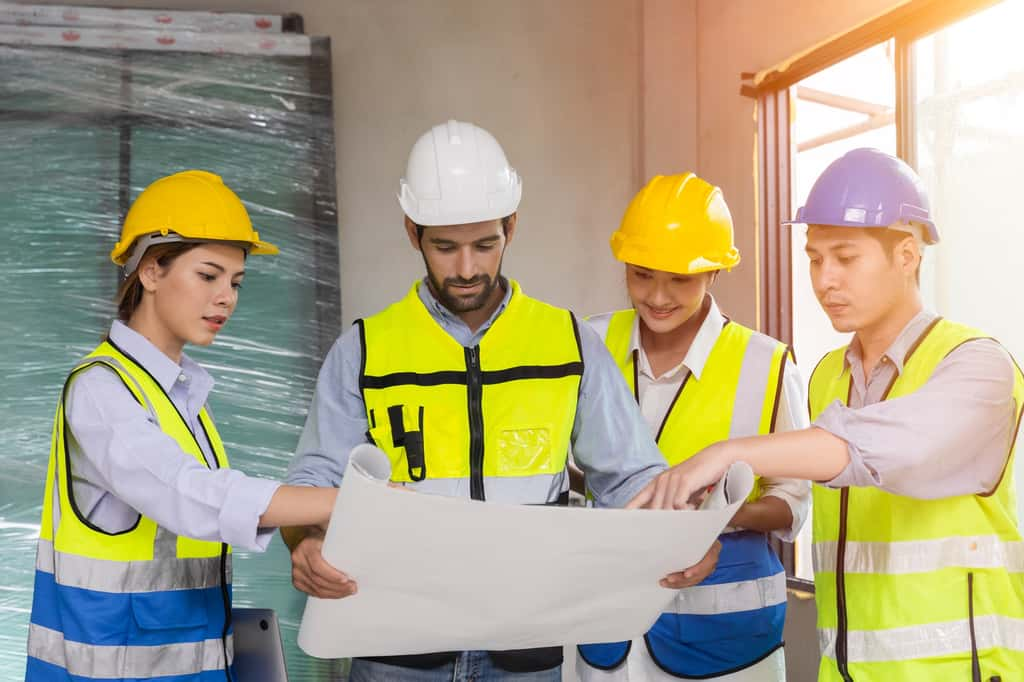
[700,349]
[438,310]
[897,352]
[153,360]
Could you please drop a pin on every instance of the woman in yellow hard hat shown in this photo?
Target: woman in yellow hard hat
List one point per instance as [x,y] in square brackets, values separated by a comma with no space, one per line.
[133,570]
[700,378]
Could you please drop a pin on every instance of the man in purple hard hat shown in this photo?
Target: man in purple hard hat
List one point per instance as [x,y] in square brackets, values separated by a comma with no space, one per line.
[918,558]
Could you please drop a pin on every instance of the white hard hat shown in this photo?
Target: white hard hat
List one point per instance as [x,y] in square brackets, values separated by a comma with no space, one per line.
[457,174]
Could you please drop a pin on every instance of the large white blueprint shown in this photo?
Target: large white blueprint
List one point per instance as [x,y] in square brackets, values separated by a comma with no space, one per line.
[444,574]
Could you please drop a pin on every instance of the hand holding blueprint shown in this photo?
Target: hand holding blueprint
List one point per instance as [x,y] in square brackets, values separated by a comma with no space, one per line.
[445,574]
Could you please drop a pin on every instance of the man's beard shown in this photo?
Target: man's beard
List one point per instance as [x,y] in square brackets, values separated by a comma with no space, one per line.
[447,292]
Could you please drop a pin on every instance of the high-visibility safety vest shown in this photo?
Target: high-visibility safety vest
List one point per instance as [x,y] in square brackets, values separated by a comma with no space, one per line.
[733,619]
[491,422]
[914,589]
[136,604]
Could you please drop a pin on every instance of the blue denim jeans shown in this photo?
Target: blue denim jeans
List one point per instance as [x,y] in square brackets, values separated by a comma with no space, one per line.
[471,666]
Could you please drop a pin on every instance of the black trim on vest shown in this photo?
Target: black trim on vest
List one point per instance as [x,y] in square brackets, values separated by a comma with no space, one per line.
[501,376]
[412,379]
[579,349]
[67,453]
[226,600]
[672,405]
[457,378]
[527,660]
[778,389]
[975,663]
[610,666]
[636,375]
[362,356]
[730,671]
[841,616]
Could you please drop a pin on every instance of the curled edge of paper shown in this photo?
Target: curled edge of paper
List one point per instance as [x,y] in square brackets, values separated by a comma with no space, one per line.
[371,462]
[734,486]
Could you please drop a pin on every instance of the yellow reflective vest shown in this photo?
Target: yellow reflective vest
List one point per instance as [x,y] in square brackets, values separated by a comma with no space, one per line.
[490,422]
[737,394]
[914,589]
[134,604]
[735,618]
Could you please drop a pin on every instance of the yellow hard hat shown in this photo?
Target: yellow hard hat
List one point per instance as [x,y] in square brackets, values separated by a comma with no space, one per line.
[677,223]
[193,205]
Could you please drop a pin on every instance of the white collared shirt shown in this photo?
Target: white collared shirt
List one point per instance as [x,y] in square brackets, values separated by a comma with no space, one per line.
[657,393]
[123,464]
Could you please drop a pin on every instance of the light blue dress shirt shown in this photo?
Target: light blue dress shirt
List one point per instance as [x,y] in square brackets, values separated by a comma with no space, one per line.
[122,464]
[610,440]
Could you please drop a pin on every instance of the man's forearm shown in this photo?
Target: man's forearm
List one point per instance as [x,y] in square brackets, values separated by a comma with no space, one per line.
[764,515]
[811,454]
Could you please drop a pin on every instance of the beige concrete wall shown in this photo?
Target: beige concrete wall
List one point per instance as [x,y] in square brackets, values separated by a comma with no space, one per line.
[561,84]
[749,35]
[669,87]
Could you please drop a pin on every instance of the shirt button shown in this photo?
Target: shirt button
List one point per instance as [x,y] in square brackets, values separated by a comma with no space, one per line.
[182,378]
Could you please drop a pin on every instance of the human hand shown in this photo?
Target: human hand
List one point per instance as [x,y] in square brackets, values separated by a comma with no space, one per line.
[694,574]
[313,575]
[680,486]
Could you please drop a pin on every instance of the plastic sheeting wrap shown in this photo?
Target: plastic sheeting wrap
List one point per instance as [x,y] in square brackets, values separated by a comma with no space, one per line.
[85,130]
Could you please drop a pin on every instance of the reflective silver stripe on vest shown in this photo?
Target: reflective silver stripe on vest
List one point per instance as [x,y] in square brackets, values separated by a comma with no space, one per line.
[750,390]
[156,575]
[746,595]
[537,489]
[922,556]
[120,365]
[117,662]
[927,641]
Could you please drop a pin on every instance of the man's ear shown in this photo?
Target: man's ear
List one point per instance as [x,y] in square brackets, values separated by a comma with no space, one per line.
[413,233]
[909,255]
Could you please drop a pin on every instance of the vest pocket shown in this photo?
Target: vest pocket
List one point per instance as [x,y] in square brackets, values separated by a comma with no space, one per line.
[523,452]
[170,610]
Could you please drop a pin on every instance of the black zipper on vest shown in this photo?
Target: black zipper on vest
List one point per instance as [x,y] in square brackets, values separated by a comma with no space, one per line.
[474,393]
[841,627]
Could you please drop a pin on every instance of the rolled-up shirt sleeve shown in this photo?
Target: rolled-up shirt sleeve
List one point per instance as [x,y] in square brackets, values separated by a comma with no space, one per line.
[611,441]
[120,449]
[796,493]
[336,422]
[950,437]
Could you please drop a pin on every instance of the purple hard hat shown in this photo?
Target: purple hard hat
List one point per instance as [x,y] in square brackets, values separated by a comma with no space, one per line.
[867,188]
